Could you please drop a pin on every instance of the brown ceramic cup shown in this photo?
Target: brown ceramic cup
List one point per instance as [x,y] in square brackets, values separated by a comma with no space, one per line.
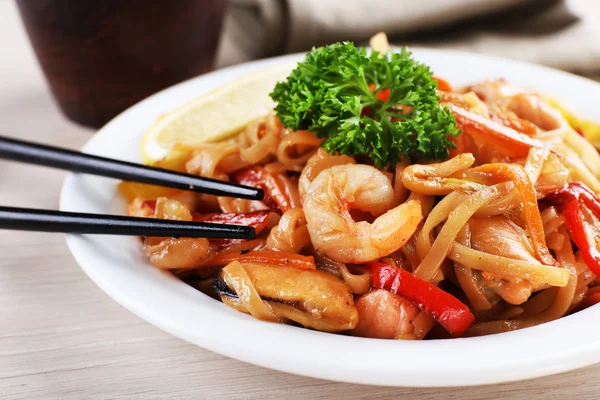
[102,56]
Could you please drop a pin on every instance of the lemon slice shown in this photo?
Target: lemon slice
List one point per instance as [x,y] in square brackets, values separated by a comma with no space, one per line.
[215,115]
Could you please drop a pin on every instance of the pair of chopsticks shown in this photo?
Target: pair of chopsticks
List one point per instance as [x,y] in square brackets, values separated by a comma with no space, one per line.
[68,222]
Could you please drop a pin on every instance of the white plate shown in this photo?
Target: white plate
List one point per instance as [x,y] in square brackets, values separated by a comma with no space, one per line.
[118,266]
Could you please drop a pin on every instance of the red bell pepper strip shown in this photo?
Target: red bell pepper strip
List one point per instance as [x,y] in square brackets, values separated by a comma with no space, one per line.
[584,193]
[574,218]
[382,95]
[450,312]
[255,176]
[256,219]
[505,139]
[151,204]
[574,196]
[275,196]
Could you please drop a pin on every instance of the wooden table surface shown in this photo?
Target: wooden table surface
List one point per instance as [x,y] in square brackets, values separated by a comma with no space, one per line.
[61,337]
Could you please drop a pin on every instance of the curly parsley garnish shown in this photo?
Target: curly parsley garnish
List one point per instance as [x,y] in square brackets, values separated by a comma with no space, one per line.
[383,106]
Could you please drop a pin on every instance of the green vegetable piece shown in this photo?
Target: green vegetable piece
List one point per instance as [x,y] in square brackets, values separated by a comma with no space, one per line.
[329,93]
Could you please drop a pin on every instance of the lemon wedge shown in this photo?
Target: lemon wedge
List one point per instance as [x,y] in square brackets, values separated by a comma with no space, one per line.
[214,116]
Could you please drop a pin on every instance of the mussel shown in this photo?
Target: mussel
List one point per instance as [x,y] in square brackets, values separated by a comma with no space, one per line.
[312,298]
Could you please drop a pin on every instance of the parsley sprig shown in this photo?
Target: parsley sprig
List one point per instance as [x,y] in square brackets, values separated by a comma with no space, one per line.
[335,92]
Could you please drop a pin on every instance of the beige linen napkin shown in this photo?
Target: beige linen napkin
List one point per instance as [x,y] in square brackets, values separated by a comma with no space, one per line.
[561,34]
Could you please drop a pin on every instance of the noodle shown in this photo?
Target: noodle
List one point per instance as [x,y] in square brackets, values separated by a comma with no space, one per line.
[539,303]
[296,148]
[233,205]
[485,228]
[504,205]
[456,220]
[473,290]
[468,280]
[211,161]
[438,215]
[551,220]
[511,312]
[425,201]
[290,234]
[562,301]
[400,190]
[580,294]
[535,163]
[260,148]
[433,179]
[584,150]
[423,323]
[208,160]
[578,170]
[358,283]
[507,266]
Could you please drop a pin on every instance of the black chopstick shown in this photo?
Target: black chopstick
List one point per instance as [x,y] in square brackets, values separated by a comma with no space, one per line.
[32,153]
[28,219]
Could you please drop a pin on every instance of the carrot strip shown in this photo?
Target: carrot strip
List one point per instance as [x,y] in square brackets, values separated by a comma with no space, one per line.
[263,256]
[443,84]
[464,144]
[516,123]
[505,139]
[533,219]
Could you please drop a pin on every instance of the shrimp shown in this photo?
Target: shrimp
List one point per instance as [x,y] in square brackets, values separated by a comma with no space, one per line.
[532,108]
[332,229]
[525,104]
[317,163]
[576,153]
[384,315]
[499,236]
[172,253]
